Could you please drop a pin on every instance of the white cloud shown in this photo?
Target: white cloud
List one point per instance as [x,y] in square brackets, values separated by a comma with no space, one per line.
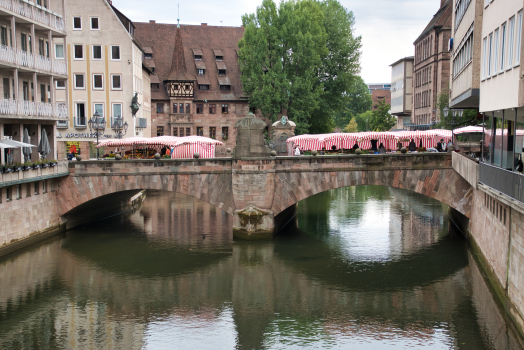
[388,27]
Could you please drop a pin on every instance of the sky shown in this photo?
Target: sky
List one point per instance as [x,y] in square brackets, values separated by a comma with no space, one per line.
[388,27]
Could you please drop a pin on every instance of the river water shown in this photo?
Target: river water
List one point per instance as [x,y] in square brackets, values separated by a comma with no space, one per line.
[365,268]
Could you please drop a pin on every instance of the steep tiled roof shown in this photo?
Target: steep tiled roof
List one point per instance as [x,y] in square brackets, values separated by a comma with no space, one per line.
[178,65]
[442,19]
[207,40]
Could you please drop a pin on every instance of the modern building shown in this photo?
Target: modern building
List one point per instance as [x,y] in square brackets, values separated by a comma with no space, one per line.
[431,71]
[501,86]
[106,70]
[31,63]
[196,88]
[465,53]
[378,86]
[378,95]
[402,91]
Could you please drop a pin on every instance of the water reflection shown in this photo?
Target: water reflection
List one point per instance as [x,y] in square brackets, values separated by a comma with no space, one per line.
[368,267]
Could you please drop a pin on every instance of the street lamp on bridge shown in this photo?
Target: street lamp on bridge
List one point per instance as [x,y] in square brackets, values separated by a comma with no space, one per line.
[118,126]
[454,113]
[98,124]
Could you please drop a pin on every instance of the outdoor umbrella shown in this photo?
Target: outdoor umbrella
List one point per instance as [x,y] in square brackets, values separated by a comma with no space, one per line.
[43,147]
[26,150]
[16,144]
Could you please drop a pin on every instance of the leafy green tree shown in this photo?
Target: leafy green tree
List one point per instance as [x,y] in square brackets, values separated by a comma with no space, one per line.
[363,120]
[359,101]
[469,117]
[352,126]
[299,59]
[381,120]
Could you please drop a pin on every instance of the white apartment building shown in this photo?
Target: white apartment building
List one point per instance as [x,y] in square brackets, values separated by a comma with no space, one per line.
[106,70]
[402,91]
[29,70]
[501,85]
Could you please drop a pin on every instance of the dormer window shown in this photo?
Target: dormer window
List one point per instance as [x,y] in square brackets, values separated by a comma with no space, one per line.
[220,58]
[198,57]
[219,55]
[221,72]
[225,87]
[201,71]
[148,56]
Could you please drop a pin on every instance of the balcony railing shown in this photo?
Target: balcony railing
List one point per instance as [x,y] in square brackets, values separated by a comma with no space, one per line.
[34,12]
[29,108]
[28,60]
[502,180]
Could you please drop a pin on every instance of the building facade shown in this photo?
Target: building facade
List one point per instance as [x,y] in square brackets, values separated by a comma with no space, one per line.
[431,70]
[196,87]
[402,91]
[30,68]
[501,85]
[106,71]
[465,53]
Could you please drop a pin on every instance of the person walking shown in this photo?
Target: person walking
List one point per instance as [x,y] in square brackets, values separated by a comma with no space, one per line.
[412,146]
[297,151]
[439,145]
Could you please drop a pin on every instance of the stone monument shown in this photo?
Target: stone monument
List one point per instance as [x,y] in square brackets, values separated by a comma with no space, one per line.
[250,138]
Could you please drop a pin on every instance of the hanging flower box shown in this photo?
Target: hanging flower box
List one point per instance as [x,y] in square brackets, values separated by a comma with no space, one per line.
[16,167]
[45,165]
[27,167]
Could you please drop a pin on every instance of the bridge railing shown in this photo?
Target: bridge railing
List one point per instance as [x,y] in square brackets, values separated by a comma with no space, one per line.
[23,176]
[502,180]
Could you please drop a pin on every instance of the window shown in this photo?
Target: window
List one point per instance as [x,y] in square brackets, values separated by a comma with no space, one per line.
[212,132]
[221,72]
[30,44]
[99,108]
[502,47]
[188,131]
[201,71]
[181,108]
[7,93]
[225,87]
[42,93]
[219,58]
[198,57]
[59,51]
[511,42]
[160,108]
[155,86]
[200,131]
[199,108]
[203,87]
[18,191]
[117,112]
[495,51]
[44,186]
[98,82]
[224,108]
[49,93]
[25,90]
[225,133]
[60,84]
[188,109]
[460,9]
[519,38]
[41,49]
[484,57]
[490,54]
[182,132]
[47,49]
[94,23]
[175,131]
[212,109]
[115,53]
[23,42]
[77,23]
[159,131]
[175,107]
[148,56]
[8,194]
[116,81]
[79,52]
[97,52]
[3,36]
[80,119]
[37,188]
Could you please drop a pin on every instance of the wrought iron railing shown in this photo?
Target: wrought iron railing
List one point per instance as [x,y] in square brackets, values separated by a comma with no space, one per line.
[29,108]
[36,13]
[502,180]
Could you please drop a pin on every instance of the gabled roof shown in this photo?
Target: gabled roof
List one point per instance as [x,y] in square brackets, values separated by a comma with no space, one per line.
[442,19]
[161,38]
[178,64]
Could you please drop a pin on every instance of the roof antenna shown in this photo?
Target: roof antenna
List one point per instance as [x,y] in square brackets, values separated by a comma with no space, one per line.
[178,19]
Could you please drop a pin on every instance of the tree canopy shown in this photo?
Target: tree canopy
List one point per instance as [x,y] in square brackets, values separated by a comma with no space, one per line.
[381,120]
[469,117]
[358,101]
[299,59]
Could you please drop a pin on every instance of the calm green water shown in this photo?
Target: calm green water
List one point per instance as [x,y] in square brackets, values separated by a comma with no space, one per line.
[367,268]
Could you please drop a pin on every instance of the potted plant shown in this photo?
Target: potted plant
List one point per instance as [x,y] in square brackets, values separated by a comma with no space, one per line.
[7,169]
[27,166]
[37,164]
[45,163]
[224,138]
[53,162]
[16,167]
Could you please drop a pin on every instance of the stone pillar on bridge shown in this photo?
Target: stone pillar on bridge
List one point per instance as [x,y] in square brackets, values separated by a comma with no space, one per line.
[253,182]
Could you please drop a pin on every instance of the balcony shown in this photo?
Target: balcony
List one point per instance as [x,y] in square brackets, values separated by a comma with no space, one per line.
[38,110]
[23,176]
[34,12]
[504,181]
[26,60]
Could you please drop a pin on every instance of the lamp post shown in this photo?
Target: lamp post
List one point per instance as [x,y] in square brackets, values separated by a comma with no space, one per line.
[118,126]
[454,114]
[98,124]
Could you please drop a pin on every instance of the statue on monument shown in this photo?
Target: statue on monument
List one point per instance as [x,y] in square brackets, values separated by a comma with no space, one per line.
[135,106]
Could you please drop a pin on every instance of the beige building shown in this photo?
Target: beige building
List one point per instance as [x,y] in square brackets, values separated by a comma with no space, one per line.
[465,53]
[29,69]
[106,71]
[402,91]
[501,85]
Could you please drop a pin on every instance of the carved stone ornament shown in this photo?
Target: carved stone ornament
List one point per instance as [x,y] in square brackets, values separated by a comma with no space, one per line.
[283,120]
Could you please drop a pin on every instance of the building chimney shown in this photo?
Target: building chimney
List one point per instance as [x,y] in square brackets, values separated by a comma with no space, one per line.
[204,24]
[152,21]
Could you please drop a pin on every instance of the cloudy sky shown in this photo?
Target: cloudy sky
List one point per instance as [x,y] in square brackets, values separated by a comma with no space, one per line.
[388,27]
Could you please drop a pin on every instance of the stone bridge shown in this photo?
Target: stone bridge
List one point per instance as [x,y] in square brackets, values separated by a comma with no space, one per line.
[254,190]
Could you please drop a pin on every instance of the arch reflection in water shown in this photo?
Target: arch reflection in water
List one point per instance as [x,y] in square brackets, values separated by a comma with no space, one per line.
[371,267]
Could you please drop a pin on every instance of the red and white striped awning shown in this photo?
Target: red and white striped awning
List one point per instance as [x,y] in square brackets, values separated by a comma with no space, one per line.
[467,129]
[308,142]
[130,141]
